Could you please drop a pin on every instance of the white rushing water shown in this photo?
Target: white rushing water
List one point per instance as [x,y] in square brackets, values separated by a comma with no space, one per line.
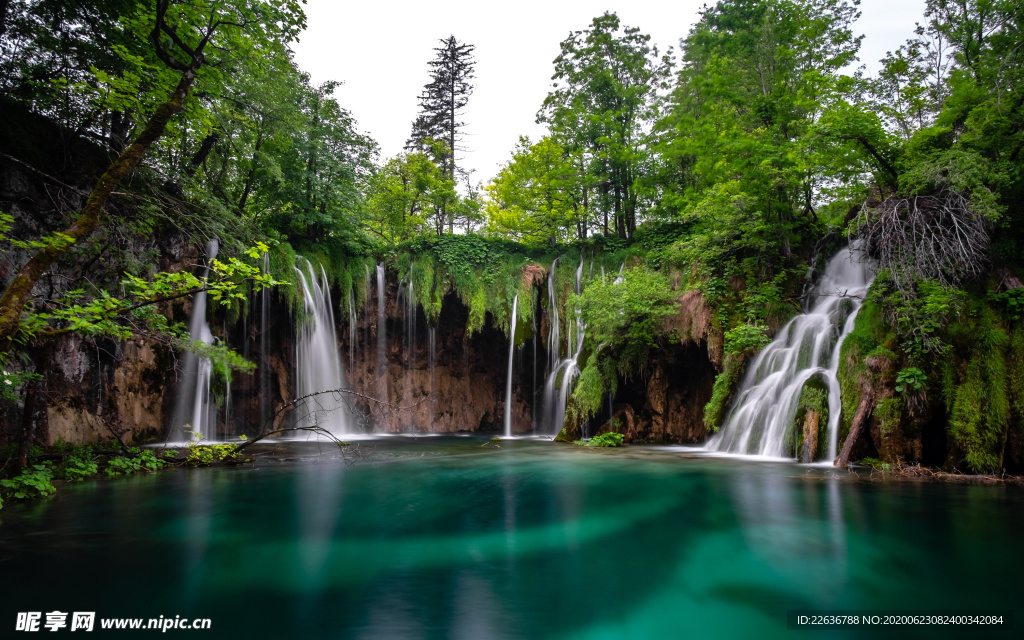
[353,323]
[508,380]
[807,347]
[265,400]
[317,361]
[195,409]
[563,371]
[381,334]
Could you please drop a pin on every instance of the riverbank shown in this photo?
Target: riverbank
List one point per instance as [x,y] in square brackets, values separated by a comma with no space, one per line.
[48,470]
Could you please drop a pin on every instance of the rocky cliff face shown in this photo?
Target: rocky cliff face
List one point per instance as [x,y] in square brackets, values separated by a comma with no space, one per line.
[667,405]
[433,379]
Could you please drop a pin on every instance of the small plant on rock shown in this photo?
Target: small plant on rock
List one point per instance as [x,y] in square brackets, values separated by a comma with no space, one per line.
[603,440]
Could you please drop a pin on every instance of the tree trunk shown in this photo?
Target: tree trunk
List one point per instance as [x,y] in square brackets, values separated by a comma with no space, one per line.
[13,301]
[810,434]
[864,409]
[200,156]
[252,174]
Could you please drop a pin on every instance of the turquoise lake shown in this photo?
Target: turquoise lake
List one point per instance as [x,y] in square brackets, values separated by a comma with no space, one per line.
[451,537]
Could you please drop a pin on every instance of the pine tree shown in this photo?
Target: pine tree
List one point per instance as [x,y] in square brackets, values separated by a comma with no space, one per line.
[441,102]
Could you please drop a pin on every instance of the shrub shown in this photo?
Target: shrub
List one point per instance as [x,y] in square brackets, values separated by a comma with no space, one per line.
[602,440]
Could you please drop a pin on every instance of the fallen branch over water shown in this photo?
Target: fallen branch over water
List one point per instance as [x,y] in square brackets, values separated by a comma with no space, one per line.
[266,431]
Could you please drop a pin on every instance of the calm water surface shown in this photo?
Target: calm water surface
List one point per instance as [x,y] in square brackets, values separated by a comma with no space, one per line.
[446,538]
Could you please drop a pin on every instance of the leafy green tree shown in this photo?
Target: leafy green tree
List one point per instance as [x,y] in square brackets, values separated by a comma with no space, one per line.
[58,56]
[532,198]
[404,196]
[624,319]
[186,44]
[760,111]
[605,82]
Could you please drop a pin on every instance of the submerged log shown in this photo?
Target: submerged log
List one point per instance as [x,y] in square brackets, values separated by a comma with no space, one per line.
[864,409]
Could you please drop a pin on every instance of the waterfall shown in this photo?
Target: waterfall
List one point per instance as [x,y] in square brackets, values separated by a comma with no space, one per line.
[508,381]
[556,394]
[366,312]
[533,368]
[264,395]
[432,352]
[317,362]
[553,335]
[194,408]
[620,277]
[407,303]
[353,323]
[381,333]
[807,347]
[410,302]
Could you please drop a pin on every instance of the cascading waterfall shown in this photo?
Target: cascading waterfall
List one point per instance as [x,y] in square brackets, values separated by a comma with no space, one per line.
[353,323]
[264,397]
[195,408]
[381,333]
[432,354]
[557,395]
[508,381]
[533,369]
[366,312]
[407,303]
[553,331]
[410,314]
[807,347]
[317,361]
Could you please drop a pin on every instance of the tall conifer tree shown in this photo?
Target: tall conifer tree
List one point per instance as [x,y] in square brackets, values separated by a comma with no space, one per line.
[441,104]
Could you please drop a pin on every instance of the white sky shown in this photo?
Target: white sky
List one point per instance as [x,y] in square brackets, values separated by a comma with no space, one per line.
[380,51]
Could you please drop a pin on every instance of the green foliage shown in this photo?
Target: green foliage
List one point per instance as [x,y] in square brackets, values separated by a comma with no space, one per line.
[980,412]
[1010,303]
[888,412]
[139,460]
[911,380]
[815,398]
[597,378]
[746,339]
[869,334]
[627,317]
[33,481]
[725,384]
[202,455]
[610,439]
[12,381]
[407,196]
[101,313]
[599,114]
[532,199]
[79,464]
[486,273]
[877,464]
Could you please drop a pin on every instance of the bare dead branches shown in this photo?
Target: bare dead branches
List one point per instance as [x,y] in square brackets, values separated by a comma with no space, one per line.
[267,430]
[932,237]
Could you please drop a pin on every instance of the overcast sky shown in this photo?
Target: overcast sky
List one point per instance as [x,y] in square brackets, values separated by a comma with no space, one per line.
[380,51]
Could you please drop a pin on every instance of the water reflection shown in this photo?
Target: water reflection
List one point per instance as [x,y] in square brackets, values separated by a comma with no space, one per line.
[444,538]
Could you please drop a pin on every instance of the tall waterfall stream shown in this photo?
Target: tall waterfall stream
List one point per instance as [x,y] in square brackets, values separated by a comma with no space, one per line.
[807,346]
